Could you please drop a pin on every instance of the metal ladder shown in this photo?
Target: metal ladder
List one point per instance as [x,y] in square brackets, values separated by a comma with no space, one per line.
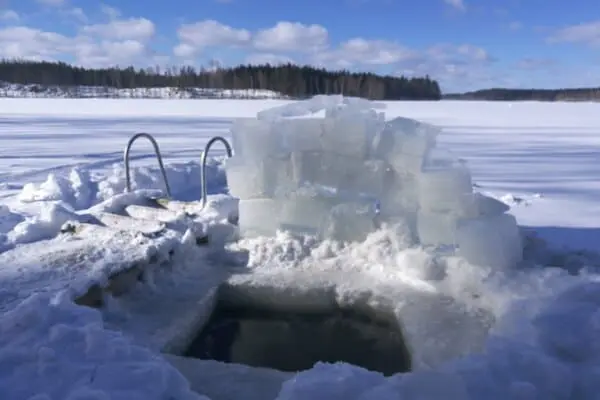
[156,153]
[153,220]
[203,180]
[156,215]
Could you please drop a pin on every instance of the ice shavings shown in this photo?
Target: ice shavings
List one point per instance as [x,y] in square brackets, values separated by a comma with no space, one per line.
[341,176]
[52,349]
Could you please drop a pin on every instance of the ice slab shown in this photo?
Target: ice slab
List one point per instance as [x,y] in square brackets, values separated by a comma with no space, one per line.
[301,134]
[258,217]
[305,211]
[492,241]
[371,179]
[253,179]
[404,136]
[325,168]
[319,103]
[489,206]
[400,195]
[436,228]
[254,139]
[351,222]
[444,189]
[349,136]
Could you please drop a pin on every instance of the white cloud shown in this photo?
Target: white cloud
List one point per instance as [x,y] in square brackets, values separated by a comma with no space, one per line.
[200,35]
[53,3]
[34,44]
[107,53]
[291,36]
[24,42]
[587,33]
[363,52]
[127,41]
[132,28]
[458,4]
[9,15]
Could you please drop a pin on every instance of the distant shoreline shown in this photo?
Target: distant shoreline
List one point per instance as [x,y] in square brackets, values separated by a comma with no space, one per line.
[547,95]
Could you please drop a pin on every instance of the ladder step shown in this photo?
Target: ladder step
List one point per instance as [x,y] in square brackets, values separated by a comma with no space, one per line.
[153,213]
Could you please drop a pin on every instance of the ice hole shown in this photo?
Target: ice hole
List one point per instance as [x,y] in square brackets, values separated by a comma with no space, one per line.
[294,341]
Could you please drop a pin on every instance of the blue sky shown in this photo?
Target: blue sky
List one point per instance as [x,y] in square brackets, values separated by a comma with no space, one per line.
[464,44]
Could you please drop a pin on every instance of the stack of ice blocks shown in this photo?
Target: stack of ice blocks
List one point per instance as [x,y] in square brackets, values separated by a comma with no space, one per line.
[337,177]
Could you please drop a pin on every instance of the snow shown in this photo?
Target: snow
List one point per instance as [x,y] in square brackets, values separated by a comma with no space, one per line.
[475,332]
[16,90]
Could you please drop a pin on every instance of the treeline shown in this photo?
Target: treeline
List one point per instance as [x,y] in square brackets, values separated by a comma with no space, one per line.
[579,94]
[290,80]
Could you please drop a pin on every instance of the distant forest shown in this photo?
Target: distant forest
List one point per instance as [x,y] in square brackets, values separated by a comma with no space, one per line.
[579,94]
[290,80]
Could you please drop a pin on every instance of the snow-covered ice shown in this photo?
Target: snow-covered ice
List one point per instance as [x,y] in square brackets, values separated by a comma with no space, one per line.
[476,332]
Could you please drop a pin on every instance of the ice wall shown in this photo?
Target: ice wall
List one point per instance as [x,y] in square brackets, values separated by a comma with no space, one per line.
[341,174]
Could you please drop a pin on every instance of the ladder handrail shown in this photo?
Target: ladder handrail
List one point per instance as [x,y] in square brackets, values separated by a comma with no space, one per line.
[158,157]
[203,165]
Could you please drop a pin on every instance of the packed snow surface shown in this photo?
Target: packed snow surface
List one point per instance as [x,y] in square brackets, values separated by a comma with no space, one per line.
[540,321]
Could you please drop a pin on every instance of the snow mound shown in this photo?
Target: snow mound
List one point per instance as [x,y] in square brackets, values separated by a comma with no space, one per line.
[65,198]
[80,190]
[62,351]
[558,366]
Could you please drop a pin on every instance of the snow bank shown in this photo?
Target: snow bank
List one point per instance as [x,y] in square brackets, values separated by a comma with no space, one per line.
[52,349]
[63,198]
[527,352]
[80,190]
[559,365]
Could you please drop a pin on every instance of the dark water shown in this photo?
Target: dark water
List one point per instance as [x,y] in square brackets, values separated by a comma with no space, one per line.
[295,342]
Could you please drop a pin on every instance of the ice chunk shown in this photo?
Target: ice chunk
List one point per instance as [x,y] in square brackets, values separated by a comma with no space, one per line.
[444,189]
[406,163]
[316,104]
[492,241]
[305,211]
[489,206]
[254,139]
[372,178]
[324,168]
[436,228]
[400,194]
[301,134]
[258,217]
[348,136]
[350,222]
[404,136]
[250,179]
